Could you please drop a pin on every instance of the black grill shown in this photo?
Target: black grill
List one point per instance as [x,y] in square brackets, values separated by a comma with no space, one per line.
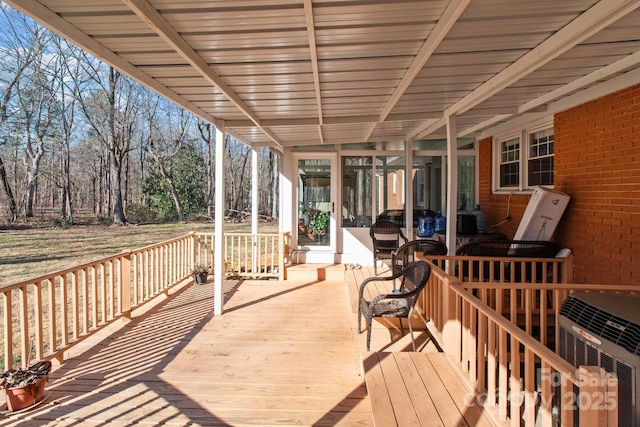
[613,328]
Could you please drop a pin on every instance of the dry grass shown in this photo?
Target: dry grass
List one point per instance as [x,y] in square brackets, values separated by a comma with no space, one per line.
[28,251]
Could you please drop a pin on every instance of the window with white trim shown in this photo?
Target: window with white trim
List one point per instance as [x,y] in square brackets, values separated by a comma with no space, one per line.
[510,163]
[540,161]
[523,165]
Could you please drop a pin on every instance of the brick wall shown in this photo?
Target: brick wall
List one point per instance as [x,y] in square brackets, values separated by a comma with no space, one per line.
[498,207]
[597,162]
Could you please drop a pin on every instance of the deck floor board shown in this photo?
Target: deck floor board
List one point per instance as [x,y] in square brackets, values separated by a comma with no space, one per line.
[283,353]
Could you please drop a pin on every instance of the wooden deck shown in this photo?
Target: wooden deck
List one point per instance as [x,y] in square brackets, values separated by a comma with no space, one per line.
[419,389]
[283,353]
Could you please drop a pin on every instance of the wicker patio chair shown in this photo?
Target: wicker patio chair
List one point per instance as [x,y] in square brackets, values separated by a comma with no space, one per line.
[508,249]
[386,237]
[404,255]
[399,304]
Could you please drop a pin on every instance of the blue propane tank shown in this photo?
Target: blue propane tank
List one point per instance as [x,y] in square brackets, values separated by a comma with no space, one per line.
[481,219]
[425,226]
[440,223]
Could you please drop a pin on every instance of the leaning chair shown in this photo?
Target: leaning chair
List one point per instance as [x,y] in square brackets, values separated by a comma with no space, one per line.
[405,254]
[399,304]
[386,237]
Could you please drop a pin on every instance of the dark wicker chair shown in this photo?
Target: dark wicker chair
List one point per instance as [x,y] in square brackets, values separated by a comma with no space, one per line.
[386,237]
[413,278]
[404,255]
[508,249]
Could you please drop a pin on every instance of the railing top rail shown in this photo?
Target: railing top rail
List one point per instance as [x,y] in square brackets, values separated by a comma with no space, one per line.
[125,253]
[62,272]
[551,286]
[200,233]
[555,361]
[163,243]
[563,367]
[495,258]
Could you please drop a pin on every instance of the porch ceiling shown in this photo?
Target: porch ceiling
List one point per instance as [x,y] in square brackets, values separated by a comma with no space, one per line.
[302,72]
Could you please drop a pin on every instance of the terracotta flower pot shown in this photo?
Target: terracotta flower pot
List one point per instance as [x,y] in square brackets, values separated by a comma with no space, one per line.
[22,397]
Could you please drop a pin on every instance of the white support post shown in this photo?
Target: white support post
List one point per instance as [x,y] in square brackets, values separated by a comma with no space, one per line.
[218,259]
[452,181]
[408,183]
[287,192]
[254,208]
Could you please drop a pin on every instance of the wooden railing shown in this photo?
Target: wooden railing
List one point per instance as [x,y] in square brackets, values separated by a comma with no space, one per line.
[246,255]
[44,316]
[507,270]
[517,387]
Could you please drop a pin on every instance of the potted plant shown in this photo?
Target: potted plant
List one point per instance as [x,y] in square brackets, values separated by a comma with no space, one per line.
[25,387]
[320,223]
[200,273]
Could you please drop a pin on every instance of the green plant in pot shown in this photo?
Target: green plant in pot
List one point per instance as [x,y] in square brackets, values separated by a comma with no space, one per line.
[320,223]
[200,273]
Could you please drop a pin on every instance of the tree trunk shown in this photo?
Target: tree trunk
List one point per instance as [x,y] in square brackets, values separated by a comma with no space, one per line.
[13,208]
[118,207]
[32,182]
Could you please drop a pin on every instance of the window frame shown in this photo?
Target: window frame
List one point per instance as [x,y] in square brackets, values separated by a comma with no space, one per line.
[523,135]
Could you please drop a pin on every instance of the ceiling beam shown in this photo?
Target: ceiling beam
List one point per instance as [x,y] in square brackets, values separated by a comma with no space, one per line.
[603,73]
[427,127]
[145,11]
[584,26]
[440,30]
[313,53]
[581,28]
[438,33]
[535,105]
[484,124]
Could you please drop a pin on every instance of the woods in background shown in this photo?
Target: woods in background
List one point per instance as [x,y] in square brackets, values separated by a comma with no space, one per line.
[76,135]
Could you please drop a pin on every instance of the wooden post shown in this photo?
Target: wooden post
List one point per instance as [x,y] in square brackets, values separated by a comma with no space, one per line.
[125,285]
[281,250]
[8,329]
[451,328]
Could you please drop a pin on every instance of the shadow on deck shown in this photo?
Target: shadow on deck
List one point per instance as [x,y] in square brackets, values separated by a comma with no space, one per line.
[283,353]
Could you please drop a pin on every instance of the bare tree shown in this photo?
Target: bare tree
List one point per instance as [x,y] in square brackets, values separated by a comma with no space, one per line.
[111,111]
[37,111]
[237,179]
[68,73]
[16,41]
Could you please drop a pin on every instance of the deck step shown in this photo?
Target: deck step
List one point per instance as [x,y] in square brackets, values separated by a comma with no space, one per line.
[320,272]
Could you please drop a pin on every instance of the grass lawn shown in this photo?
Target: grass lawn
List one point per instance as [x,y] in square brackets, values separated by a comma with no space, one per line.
[28,251]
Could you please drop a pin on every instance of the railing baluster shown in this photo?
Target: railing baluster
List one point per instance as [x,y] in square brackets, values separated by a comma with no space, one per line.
[52,324]
[38,336]
[7,302]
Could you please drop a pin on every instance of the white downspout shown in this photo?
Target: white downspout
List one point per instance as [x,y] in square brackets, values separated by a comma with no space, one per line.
[218,259]
[452,180]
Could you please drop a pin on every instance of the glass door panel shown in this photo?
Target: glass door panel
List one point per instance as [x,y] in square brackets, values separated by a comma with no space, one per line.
[427,185]
[315,206]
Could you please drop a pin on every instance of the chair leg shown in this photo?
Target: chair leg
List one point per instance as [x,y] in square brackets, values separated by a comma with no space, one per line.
[413,343]
[369,334]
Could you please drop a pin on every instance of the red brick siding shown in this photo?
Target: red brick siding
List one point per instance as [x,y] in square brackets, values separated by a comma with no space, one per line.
[597,162]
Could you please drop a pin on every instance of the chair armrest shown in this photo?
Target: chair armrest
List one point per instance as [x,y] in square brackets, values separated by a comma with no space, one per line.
[377,279]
